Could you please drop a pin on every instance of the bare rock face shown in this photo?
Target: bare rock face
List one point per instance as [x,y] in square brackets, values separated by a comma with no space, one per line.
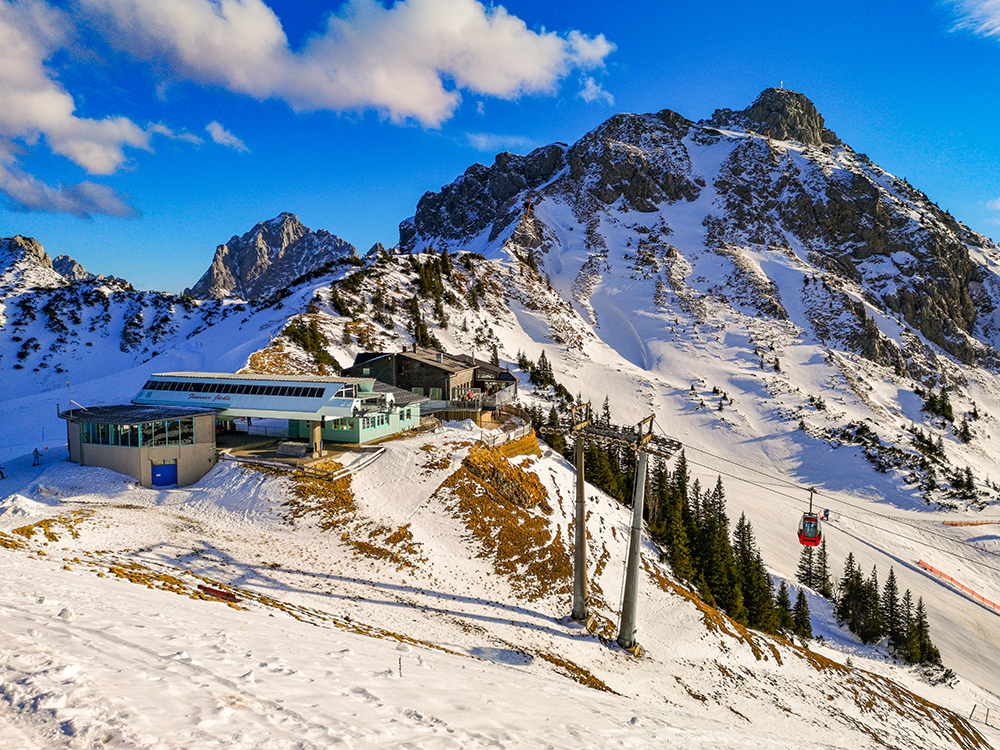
[786,115]
[18,248]
[70,270]
[24,264]
[268,258]
[855,223]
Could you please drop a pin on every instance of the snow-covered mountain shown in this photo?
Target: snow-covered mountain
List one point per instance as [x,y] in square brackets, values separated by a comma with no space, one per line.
[793,314]
[269,258]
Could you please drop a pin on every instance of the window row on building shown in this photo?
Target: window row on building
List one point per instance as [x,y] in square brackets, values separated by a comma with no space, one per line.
[234,388]
[148,435]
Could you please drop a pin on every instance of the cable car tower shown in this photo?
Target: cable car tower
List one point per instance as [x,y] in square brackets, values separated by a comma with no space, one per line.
[579,422]
[641,439]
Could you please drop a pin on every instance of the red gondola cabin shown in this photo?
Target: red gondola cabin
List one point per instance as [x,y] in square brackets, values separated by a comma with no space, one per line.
[810,530]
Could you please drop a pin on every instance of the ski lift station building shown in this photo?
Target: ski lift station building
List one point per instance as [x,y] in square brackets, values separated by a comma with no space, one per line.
[166,436]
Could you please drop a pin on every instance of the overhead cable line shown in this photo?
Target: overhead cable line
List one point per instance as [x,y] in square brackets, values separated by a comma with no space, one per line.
[844,502]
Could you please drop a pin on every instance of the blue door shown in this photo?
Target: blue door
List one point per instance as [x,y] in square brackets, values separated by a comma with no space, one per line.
[165,474]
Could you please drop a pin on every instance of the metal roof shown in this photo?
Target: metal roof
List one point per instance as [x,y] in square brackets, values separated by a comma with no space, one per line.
[402,397]
[235,395]
[132,413]
[240,376]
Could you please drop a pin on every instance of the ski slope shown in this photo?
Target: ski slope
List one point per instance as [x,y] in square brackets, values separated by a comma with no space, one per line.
[328,646]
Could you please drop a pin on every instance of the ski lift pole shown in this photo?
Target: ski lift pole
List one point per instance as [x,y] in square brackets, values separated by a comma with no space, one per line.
[626,630]
[580,613]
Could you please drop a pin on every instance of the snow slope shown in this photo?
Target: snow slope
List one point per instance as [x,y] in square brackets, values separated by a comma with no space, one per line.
[383,614]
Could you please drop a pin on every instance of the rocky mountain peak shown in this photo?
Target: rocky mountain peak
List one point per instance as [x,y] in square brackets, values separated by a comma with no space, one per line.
[269,257]
[20,249]
[70,270]
[786,115]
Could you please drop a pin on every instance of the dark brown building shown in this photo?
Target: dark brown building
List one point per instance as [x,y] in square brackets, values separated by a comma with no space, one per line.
[439,376]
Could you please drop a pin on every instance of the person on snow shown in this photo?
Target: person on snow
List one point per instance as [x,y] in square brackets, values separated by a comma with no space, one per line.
[38,456]
[2,475]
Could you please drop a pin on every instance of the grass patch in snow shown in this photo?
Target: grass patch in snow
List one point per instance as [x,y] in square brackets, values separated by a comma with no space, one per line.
[506,510]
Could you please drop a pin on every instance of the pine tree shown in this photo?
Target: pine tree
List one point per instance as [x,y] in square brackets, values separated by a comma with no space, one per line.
[870,628]
[851,595]
[804,574]
[891,613]
[821,572]
[755,583]
[786,621]
[719,564]
[606,412]
[800,613]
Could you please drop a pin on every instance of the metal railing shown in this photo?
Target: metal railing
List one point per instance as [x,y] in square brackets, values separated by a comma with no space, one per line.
[265,430]
[274,463]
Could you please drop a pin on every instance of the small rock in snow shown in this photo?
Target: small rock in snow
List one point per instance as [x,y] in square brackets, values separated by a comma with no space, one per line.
[404,648]
[32,633]
[248,677]
[67,614]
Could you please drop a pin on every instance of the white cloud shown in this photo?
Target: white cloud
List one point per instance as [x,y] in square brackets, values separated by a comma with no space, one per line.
[26,192]
[224,138]
[592,91]
[160,129]
[36,107]
[993,205]
[410,61]
[492,142]
[980,16]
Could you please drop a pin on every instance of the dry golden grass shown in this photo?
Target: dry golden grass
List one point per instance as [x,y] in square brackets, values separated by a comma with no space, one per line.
[68,521]
[9,542]
[272,360]
[576,672]
[526,446]
[333,502]
[871,693]
[499,504]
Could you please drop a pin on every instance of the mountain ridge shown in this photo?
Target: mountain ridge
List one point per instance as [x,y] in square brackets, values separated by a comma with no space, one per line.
[267,258]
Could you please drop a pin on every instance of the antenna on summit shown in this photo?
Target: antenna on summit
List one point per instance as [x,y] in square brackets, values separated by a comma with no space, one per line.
[781,85]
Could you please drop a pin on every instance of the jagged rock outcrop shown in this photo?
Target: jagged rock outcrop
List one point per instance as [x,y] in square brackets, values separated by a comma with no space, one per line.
[269,258]
[24,264]
[770,178]
[786,115]
[70,270]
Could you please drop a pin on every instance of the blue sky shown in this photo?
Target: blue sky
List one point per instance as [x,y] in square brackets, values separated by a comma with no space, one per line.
[136,135]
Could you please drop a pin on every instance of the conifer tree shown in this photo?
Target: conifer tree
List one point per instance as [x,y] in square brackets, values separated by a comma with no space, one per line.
[606,412]
[804,574]
[849,603]
[869,627]
[928,653]
[786,620]
[755,583]
[821,572]
[719,564]
[891,613]
[800,613]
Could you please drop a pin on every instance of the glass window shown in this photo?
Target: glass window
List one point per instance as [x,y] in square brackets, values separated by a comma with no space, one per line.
[418,391]
[407,413]
[130,435]
[159,434]
[146,435]
[435,394]
[174,432]
[187,431]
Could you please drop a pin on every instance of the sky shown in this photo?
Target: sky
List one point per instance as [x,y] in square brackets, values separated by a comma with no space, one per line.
[137,135]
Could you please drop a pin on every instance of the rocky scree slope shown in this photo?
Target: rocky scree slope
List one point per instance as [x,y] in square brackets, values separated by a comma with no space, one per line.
[269,258]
